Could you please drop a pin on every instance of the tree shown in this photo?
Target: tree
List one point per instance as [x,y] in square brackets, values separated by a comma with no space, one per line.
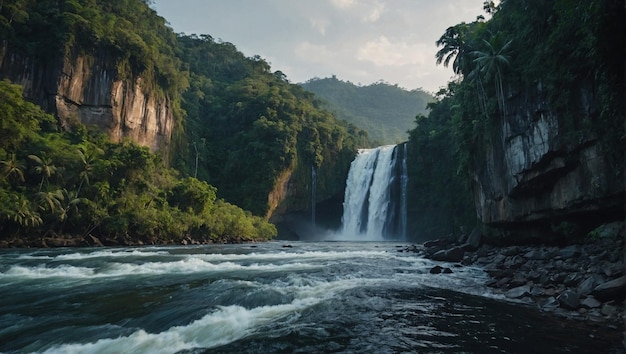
[19,119]
[490,64]
[87,161]
[50,200]
[454,47]
[69,205]
[12,169]
[24,214]
[43,167]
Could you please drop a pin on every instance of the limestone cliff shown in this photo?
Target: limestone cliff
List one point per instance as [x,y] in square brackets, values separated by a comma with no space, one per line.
[535,174]
[88,88]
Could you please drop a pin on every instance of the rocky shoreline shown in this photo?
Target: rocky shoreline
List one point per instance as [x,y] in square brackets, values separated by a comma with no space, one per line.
[584,282]
[66,240]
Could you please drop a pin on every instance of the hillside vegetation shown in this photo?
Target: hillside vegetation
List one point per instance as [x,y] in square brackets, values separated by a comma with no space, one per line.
[530,61]
[250,127]
[384,111]
[240,127]
[54,182]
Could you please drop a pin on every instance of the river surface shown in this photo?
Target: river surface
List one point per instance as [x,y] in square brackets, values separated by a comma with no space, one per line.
[273,297]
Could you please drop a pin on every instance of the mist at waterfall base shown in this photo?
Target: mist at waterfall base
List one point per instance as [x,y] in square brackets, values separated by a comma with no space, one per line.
[374,204]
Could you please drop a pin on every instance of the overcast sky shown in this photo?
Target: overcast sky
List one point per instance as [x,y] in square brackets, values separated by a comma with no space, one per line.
[362,41]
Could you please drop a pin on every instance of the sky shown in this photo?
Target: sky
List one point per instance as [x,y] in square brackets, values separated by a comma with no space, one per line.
[361,41]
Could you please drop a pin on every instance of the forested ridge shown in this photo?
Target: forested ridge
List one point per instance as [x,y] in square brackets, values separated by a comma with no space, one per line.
[239,127]
[243,117]
[383,110]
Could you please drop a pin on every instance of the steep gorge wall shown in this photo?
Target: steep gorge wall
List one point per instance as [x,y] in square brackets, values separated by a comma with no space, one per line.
[87,87]
[538,172]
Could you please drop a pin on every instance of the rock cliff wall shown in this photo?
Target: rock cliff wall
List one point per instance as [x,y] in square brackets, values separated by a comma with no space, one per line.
[535,174]
[88,88]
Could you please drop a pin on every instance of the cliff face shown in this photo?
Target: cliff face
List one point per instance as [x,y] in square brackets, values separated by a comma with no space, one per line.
[534,174]
[87,87]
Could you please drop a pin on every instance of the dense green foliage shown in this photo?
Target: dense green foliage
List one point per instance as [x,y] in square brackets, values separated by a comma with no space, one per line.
[247,126]
[58,182]
[554,51]
[128,30]
[562,56]
[439,199]
[384,111]
[247,129]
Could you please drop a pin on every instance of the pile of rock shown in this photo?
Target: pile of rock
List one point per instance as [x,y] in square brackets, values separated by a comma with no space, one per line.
[581,281]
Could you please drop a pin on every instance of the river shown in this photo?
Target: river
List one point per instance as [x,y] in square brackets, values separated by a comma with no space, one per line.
[301,297]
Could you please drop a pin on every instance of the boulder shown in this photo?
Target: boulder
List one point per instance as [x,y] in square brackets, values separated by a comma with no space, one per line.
[572,279]
[609,310]
[590,303]
[570,252]
[454,254]
[569,299]
[612,269]
[611,290]
[591,282]
[518,292]
[436,270]
[549,303]
[474,239]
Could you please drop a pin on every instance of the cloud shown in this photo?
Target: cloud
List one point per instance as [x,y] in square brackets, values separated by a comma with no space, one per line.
[358,40]
[314,53]
[343,4]
[374,12]
[366,11]
[383,52]
[319,24]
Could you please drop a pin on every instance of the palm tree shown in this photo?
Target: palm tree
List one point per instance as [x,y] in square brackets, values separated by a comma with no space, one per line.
[24,215]
[491,63]
[69,205]
[86,170]
[44,167]
[454,47]
[50,200]
[13,169]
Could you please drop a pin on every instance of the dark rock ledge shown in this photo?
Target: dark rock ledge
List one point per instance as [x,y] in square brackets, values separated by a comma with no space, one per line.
[583,282]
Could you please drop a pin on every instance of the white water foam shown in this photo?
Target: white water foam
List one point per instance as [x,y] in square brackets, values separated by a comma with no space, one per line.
[91,255]
[110,254]
[321,255]
[186,266]
[223,326]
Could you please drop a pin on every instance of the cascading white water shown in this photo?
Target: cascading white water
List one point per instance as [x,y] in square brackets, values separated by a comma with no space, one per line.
[378,206]
[374,205]
[357,191]
[403,190]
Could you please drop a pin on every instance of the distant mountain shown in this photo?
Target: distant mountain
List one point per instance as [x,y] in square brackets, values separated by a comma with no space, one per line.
[386,112]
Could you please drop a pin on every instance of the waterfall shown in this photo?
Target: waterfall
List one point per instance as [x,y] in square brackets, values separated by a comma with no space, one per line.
[403,192]
[374,205]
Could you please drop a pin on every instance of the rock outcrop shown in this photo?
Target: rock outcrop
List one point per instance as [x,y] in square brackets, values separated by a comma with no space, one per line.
[535,173]
[87,87]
